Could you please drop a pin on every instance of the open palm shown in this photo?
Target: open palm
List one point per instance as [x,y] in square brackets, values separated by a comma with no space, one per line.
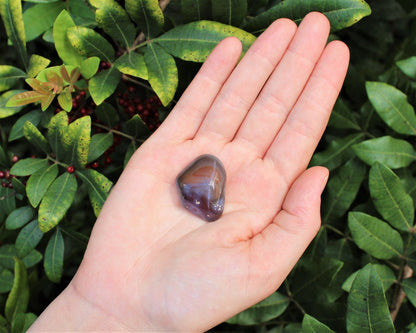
[150,264]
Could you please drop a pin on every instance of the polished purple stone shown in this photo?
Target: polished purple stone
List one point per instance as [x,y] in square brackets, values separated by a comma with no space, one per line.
[202,187]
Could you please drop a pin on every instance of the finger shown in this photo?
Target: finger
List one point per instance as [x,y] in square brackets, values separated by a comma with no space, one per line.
[286,83]
[246,81]
[294,145]
[185,119]
[282,242]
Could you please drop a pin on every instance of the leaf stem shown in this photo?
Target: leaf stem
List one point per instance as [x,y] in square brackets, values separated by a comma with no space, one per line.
[112,130]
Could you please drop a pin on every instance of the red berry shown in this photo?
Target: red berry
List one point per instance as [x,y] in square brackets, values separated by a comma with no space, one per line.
[10,185]
[108,160]
[132,89]
[95,165]
[1,174]
[7,174]
[70,169]
[4,184]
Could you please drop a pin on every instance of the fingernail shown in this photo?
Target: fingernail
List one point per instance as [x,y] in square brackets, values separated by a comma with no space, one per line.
[324,182]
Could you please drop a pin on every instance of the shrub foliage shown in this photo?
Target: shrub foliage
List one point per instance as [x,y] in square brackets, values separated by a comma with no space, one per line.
[84,83]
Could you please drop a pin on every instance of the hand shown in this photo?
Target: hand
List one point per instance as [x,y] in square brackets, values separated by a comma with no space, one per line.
[150,264]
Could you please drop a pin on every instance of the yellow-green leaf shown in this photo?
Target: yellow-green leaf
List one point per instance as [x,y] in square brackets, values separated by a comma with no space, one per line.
[66,51]
[57,201]
[132,63]
[35,137]
[98,187]
[5,109]
[37,63]
[147,14]
[11,13]
[76,141]
[9,76]
[18,298]
[162,71]
[195,41]
[90,43]
[114,20]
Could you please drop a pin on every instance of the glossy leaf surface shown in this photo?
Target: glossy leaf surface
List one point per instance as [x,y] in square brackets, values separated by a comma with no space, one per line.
[390,197]
[39,182]
[368,310]
[54,257]
[104,84]
[195,41]
[374,236]
[57,200]
[147,14]
[28,238]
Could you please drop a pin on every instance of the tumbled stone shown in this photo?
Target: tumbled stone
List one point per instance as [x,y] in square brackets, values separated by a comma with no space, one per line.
[202,187]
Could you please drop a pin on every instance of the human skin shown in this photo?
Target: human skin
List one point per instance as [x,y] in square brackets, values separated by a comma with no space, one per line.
[150,265]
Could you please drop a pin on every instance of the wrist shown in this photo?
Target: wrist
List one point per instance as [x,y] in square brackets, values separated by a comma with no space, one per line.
[70,311]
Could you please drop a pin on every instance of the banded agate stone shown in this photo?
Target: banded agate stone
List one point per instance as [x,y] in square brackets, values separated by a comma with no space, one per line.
[202,187]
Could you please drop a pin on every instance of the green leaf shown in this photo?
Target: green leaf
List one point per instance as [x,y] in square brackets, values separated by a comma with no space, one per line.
[342,189]
[66,51]
[39,182]
[35,137]
[342,117]
[89,67]
[132,63]
[57,200]
[7,255]
[9,76]
[11,14]
[22,322]
[18,186]
[34,27]
[106,113]
[387,276]
[32,258]
[409,287]
[56,129]
[98,187]
[162,71]
[136,127]
[390,197]
[408,66]
[104,84]
[7,111]
[19,217]
[28,166]
[231,12]
[4,158]
[312,325]
[341,13]
[114,20]
[272,307]
[28,238]
[337,152]
[76,141]
[392,106]
[99,144]
[18,298]
[368,310]
[54,257]
[147,14]
[195,10]
[16,131]
[7,200]
[313,278]
[6,281]
[90,43]
[374,236]
[195,41]
[37,64]
[394,153]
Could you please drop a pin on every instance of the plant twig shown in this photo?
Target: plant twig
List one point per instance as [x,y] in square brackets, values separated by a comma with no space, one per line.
[401,295]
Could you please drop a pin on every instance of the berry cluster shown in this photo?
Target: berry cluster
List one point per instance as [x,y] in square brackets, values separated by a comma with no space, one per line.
[147,108]
[6,177]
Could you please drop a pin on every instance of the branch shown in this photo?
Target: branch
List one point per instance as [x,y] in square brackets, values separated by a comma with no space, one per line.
[407,273]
